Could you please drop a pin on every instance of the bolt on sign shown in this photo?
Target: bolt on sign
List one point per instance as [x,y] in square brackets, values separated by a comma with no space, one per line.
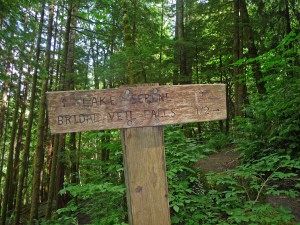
[140,106]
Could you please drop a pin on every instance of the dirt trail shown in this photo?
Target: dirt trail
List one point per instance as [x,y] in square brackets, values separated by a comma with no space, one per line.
[219,162]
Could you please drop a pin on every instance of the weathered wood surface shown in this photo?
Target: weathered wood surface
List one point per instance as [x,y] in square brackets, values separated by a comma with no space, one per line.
[145,176]
[141,106]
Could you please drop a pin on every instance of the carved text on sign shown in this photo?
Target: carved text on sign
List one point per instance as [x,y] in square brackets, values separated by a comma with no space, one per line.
[73,111]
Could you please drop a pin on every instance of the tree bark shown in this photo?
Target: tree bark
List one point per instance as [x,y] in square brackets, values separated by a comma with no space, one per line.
[30,121]
[70,69]
[66,47]
[3,108]
[22,115]
[60,172]
[3,150]
[252,50]
[287,17]
[51,191]
[7,198]
[135,75]
[66,70]
[176,55]
[39,151]
[184,78]
[50,88]
[95,64]
[237,74]
[8,195]
[4,94]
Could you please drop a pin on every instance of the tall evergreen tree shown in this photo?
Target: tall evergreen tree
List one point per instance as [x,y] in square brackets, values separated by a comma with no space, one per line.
[252,50]
[24,164]
[39,151]
[7,203]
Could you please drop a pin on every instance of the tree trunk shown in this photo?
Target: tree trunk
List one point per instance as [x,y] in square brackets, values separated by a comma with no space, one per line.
[4,94]
[39,151]
[3,109]
[184,78]
[60,172]
[66,47]
[70,69]
[95,65]
[8,198]
[58,77]
[3,149]
[8,195]
[67,82]
[287,17]
[22,116]
[30,121]
[134,75]
[51,192]
[161,37]
[238,85]
[50,88]
[128,42]
[252,50]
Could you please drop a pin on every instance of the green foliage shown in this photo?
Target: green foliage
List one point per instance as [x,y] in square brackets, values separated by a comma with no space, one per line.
[236,196]
[101,193]
[102,201]
[272,125]
[218,141]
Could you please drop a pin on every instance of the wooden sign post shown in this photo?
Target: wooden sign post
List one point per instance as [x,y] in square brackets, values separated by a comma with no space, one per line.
[143,109]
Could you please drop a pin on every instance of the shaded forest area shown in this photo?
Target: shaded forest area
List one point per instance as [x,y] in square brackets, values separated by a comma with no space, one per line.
[253,46]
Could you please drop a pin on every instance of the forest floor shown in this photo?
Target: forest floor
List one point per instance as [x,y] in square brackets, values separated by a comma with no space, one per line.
[227,159]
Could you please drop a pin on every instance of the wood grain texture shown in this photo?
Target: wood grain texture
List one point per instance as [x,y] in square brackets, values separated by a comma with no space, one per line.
[139,106]
[145,176]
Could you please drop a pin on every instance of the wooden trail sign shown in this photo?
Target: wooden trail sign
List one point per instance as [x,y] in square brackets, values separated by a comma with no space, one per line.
[143,109]
[140,106]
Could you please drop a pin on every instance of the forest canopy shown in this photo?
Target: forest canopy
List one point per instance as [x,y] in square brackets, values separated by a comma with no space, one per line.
[251,46]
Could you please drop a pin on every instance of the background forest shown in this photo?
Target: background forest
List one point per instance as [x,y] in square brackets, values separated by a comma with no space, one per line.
[253,46]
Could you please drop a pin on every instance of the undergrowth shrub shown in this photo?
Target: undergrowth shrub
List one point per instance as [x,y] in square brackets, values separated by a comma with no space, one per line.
[235,196]
[273,122]
[101,193]
[218,141]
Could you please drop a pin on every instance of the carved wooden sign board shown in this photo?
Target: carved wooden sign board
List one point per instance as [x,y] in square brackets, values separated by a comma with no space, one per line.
[140,106]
